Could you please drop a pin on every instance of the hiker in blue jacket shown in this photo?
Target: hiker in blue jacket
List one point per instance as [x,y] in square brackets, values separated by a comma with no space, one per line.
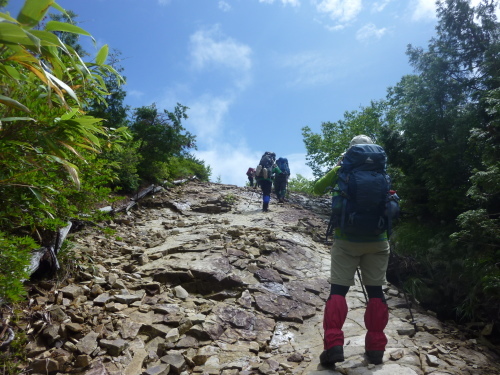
[371,254]
[281,179]
[264,174]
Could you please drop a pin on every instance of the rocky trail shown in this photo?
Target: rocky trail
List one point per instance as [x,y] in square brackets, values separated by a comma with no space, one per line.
[197,280]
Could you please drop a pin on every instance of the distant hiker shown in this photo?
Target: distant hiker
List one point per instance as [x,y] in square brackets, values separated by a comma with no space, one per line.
[264,176]
[361,225]
[281,179]
[251,175]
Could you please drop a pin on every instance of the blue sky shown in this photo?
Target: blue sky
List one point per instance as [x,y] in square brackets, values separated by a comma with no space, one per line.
[255,72]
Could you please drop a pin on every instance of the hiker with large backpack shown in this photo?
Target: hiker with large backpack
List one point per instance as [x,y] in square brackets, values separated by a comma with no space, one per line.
[363,207]
[264,174]
[251,175]
[281,179]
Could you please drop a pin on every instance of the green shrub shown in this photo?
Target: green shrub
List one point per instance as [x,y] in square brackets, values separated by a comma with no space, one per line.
[15,255]
[300,184]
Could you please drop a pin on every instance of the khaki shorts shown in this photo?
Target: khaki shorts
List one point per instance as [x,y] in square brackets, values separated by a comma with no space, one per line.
[371,257]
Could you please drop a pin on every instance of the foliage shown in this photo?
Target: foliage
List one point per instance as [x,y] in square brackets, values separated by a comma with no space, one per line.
[14,259]
[160,137]
[186,166]
[68,38]
[300,184]
[49,169]
[34,68]
[442,133]
[124,162]
[113,111]
[229,199]
[325,149]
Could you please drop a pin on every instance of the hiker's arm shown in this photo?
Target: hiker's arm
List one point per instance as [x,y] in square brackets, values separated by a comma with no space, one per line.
[276,170]
[326,181]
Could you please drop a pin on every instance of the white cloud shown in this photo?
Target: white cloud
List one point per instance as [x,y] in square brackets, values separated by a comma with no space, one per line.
[135,93]
[335,28]
[297,163]
[370,31]
[224,6]
[310,68]
[340,10]
[424,9]
[294,3]
[210,48]
[379,6]
[206,116]
[230,162]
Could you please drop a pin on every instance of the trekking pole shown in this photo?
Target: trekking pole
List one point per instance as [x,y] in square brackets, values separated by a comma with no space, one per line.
[398,276]
[329,229]
[362,286]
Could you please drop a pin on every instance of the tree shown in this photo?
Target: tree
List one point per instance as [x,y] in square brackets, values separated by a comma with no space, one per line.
[113,111]
[324,150]
[443,123]
[160,136]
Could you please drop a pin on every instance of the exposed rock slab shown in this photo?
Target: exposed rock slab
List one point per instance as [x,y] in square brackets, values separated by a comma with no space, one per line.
[200,281]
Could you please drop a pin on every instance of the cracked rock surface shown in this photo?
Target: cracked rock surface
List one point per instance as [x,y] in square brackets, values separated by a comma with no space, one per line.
[197,280]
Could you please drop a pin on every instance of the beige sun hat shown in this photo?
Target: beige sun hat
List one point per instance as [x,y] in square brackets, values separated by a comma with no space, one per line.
[360,139]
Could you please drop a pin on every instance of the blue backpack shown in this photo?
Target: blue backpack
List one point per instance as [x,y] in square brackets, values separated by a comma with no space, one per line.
[363,204]
[282,164]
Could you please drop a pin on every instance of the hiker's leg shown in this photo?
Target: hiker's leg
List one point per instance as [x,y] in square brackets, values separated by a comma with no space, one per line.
[280,189]
[373,270]
[265,203]
[343,266]
[373,262]
[376,319]
[266,194]
[333,320]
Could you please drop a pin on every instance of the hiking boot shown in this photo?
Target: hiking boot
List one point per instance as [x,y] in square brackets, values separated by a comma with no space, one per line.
[375,356]
[330,356]
[265,207]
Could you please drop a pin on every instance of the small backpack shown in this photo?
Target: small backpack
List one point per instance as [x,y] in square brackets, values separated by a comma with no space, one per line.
[265,167]
[250,172]
[282,164]
[362,203]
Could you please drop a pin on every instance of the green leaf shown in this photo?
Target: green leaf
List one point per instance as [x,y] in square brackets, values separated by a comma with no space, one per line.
[37,194]
[13,103]
[33,11]
[70,114]
[47,38]
[102,55]
[66,27]
[10,72]
[6,17]
[35,40]
[12,34]
[17,119]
